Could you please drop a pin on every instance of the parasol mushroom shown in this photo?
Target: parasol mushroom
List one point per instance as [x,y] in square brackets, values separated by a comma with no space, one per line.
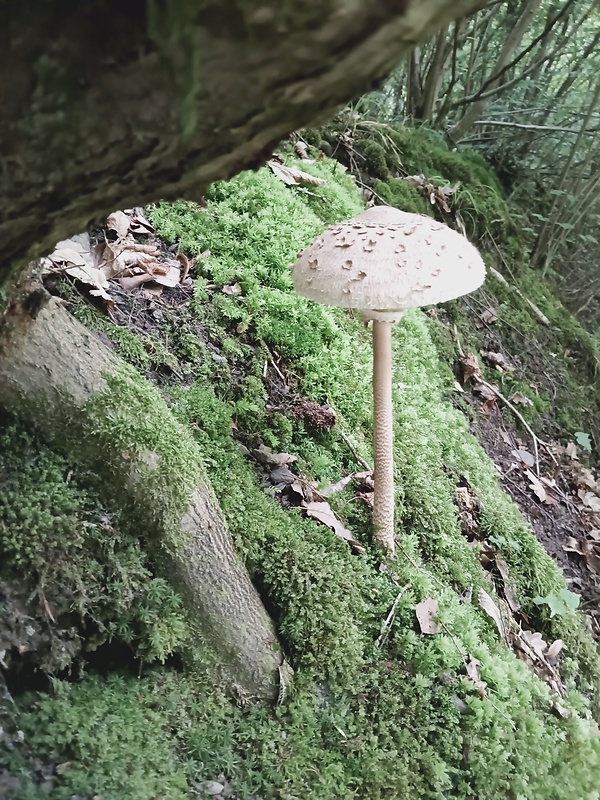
[382,262]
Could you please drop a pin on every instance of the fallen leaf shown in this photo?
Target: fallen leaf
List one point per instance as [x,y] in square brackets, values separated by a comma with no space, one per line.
[118,222]
[474,675]
[489,316]
[497,360]
[470,367]
[324,514]
[587,549]
[266,456]
[79,259]
[571,451]
[591,500]
[232,290]
[537,488]
[520,399]
[426,611]
[282,476]
[334,488]
[138,223]
[292,176]
[490,608]
[524,456]
[170,278]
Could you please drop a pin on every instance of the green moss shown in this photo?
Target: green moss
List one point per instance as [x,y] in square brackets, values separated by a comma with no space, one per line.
[78,560]
[400,194]
[375,160]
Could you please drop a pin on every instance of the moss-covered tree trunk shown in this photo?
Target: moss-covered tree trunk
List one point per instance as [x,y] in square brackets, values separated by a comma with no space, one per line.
[89,404]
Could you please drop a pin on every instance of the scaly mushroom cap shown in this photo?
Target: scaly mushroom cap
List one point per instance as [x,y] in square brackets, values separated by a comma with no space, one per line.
[384,261]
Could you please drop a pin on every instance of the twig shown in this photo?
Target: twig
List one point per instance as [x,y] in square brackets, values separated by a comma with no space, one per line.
[418,567]
[536,440]
[359,458]
[390,617]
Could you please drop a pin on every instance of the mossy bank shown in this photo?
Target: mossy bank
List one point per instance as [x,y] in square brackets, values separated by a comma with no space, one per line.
[396,719]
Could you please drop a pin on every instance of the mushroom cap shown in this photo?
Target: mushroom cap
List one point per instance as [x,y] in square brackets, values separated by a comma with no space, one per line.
[384,261]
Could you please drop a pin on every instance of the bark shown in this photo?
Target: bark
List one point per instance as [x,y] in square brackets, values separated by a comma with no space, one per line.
[58,375]
[435,75]
[105,105]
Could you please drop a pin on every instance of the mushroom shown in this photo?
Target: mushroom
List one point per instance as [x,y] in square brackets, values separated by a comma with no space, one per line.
[382,262]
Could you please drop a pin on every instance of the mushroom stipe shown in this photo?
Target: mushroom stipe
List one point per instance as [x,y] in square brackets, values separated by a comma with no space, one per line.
[382,262]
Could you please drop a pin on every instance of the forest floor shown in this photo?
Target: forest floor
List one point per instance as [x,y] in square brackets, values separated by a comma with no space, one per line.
[204,309]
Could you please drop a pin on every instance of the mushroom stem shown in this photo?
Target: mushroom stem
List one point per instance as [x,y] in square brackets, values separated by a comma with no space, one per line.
[383,436]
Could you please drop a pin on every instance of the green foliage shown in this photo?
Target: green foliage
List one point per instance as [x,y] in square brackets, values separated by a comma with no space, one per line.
[559,602]
[400,194]
[584,440]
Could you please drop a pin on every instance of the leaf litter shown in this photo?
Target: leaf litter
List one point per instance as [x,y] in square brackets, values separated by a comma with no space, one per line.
[118,257]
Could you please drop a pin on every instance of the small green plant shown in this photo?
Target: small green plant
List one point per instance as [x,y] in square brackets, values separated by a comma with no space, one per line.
[584,440]
[560,602]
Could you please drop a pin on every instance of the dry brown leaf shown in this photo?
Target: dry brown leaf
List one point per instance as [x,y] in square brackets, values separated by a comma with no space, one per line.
[520,399]
[489,316]
[426,611]
[232,289]
[138,222]
[292,176]
[324,514]
[474,675]
[171,278]
[118,222]
[497,360]
[571,451]
[524,456]
[591,500]
[135,281]
[81,260]
[470,367]
[587,549]
[490,608]
[538,489]
[266,456]
[334,488]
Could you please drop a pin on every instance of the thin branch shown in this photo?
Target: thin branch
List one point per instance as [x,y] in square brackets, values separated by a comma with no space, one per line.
[390,617]
[522,126]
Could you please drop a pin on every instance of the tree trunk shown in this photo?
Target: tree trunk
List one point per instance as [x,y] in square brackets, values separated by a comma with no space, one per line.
[106,105]
[476,108]
[64,381]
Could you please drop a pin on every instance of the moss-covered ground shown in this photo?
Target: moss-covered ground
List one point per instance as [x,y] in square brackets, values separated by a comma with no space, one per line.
[401,720]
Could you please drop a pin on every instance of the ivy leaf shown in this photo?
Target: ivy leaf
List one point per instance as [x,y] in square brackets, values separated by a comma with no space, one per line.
[584,440]
[559,602]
